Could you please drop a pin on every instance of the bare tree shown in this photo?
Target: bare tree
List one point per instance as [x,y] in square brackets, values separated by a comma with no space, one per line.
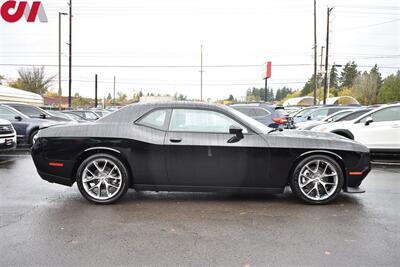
[33,79]
[366,88]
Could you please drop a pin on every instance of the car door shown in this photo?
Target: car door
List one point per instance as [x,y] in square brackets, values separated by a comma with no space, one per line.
[200,154]
[383,132]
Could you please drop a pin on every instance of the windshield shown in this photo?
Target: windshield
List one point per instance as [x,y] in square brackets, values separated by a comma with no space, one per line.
[304,112]
[336,116]
[31,111]
[261,128]
[354,115]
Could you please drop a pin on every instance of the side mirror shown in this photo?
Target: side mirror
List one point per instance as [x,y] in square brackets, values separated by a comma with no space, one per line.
[309,118]
[238,132]
[43,116]
[18,118]
[368,121]
[330,120]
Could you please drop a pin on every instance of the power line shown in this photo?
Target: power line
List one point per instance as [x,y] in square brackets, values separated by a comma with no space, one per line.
[175,66]
[367,26]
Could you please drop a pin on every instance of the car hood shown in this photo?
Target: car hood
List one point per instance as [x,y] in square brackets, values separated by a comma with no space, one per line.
[313,140]
[4,122]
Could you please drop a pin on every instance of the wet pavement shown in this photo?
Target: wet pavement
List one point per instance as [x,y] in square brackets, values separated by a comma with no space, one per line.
[51,225]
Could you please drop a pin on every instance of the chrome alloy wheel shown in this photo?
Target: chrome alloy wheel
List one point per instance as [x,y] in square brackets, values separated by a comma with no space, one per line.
[318,180]
[102,179]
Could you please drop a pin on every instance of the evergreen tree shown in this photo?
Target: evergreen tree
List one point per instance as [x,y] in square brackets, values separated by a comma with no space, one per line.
[390,90]
[334,77]
[349,74]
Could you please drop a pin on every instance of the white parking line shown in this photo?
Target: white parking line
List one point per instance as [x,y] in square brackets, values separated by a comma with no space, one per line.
[386,163]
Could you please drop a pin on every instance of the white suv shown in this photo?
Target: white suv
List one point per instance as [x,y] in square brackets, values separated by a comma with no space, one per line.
[378,129]
[8,136]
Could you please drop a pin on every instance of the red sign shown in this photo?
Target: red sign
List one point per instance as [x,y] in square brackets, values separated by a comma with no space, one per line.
[11,11]
[267,70]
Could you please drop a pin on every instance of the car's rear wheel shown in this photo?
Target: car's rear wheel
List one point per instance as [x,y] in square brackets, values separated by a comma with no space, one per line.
[317,179]
[102,179]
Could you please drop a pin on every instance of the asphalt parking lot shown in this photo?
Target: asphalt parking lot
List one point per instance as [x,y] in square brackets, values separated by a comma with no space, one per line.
[50,225]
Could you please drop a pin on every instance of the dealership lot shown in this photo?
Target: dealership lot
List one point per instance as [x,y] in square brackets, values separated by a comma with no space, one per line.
[48,224]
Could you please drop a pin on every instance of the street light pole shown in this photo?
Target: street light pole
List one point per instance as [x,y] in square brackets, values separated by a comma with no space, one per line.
[59,58]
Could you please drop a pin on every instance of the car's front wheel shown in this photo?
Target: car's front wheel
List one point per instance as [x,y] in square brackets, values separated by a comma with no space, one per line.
[317,179]
[102,179]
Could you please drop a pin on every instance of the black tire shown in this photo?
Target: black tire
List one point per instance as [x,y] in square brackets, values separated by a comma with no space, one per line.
[334,192]
[124,179]
[32,136]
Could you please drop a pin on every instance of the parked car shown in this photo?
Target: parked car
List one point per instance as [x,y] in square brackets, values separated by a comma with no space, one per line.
[86,114]
[308,125]
[182,146]
[26,127]
[320,113]
[269,115]
[378,129]
[8,136]
[34,112]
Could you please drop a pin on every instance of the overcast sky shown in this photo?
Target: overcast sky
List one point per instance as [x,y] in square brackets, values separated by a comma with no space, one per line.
[169,33]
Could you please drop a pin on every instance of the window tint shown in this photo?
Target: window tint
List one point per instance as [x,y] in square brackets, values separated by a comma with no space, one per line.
[387,114]
[155,119]
[7,114]
[192,120]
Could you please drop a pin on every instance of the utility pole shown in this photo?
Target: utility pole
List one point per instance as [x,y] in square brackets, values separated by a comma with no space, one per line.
[322,59]
[315,53]
[95,91]
[329,10]
[114,93]
[59,59]
[70,56]
[201,73]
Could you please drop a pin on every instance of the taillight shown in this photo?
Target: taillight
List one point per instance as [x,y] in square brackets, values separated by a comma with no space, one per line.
[280,120]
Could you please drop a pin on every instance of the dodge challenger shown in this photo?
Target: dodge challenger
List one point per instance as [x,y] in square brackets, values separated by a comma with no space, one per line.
[196,147]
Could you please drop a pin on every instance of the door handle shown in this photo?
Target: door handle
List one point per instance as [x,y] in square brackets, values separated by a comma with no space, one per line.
[175,140]
[396,126]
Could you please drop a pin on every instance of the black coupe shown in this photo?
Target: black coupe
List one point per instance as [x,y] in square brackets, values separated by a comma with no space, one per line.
[186,146]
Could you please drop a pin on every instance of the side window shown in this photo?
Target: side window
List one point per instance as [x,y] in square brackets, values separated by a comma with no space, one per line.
[155,119]
[7,114]
[387,114]
[204,121]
